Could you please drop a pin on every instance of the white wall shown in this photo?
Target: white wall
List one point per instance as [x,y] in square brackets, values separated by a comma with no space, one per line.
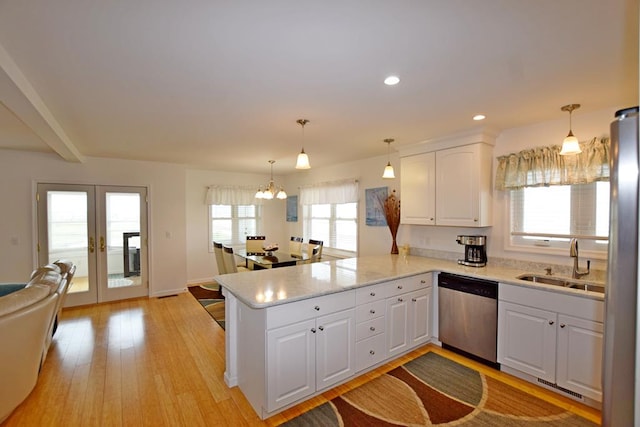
[19,171]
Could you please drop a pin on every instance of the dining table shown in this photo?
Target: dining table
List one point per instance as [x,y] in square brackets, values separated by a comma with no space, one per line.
[270,259]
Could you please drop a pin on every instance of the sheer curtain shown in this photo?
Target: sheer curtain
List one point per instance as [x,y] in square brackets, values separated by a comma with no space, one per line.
[545,166]
[231,195]
[344,191]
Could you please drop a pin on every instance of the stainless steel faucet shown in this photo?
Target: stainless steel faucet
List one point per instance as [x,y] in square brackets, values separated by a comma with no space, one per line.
[573,253]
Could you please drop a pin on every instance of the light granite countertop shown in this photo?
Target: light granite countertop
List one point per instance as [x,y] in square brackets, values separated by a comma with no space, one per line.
[265,288]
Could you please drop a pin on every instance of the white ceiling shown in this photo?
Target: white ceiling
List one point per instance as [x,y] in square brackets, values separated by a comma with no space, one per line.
[220,84]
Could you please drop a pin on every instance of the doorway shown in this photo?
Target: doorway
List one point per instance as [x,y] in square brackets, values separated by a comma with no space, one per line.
[103,230]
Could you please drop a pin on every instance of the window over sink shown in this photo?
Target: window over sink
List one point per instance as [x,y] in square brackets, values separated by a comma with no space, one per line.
[549,216]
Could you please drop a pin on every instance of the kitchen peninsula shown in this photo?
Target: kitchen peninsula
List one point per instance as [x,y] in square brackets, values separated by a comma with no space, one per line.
[294,332]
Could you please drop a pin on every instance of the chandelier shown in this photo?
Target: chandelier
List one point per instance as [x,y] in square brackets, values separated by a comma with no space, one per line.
[270,189]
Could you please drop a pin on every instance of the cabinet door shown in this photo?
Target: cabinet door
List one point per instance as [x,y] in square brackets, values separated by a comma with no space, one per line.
[527,340]
[291,363]
[397,325]
[579,361]
[419,317]
[335,348]
[418,189]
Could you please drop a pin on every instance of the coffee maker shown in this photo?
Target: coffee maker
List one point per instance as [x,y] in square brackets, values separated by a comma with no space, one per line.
[475,250]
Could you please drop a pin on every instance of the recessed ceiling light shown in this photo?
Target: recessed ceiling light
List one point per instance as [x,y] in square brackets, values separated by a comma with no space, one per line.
[391,80]
[479,117]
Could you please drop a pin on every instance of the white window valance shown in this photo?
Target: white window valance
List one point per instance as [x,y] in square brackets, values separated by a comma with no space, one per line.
[230,195]
[545,166]
[344,191]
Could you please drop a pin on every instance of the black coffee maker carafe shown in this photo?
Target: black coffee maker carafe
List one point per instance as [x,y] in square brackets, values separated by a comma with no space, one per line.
[475,250]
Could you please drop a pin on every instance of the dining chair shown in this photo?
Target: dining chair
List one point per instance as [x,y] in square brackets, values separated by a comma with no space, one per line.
[255,244]
[295,246]
[217,250]
[314,250]
[230,261]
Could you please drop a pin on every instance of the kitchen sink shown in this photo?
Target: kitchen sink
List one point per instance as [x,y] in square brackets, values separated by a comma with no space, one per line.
[560,281]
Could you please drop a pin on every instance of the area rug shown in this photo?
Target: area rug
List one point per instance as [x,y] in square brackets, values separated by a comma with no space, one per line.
[211,300]
[433,390]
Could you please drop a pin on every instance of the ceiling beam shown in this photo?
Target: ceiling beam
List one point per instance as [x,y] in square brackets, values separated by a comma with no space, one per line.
[19,96]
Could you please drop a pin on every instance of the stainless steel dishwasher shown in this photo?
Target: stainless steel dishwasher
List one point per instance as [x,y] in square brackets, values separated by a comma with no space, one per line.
[468,315]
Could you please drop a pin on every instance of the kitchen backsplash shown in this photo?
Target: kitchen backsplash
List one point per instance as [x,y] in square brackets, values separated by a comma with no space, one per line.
[526,266]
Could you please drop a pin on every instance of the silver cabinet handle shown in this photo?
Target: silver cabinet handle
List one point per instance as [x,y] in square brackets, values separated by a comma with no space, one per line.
[313,330]
[551,322]
[399,286]
[562,325]
[316,308]
[371,352]
[321,328]
[372,328]
[413,299]
[430,219]
[373,294]
[423,281]
[475,219]
[400,300]
[372,311]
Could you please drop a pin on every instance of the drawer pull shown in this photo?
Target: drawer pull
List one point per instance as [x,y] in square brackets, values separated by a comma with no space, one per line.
[562,325]
[372,311]
[321,328]
[399,286]
[551,322]
[316,308]
[313,330]
[371,352]
[373,294]
[423,281]
[413,299]
[372,328]
[400,299]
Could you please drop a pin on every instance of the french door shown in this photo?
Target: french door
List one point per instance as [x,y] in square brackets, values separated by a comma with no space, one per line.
[103,230]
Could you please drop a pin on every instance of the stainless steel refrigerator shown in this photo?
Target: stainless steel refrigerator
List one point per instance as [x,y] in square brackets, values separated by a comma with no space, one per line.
[621,388]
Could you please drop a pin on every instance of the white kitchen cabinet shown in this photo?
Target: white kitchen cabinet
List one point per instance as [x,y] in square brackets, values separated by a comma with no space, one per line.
[463,186]
[580,351]
[305,357]
[418,189]
[408,320]
[528,339]
[450,187]
[556,337]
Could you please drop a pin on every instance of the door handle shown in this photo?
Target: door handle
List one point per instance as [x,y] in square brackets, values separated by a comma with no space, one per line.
[102,244]
[92,245]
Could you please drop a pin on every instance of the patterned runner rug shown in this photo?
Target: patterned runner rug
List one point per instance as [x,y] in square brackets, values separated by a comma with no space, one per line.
[433,390]
[212,301]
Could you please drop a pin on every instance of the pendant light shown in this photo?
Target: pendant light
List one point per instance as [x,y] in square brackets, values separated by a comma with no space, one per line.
[570,144]
[303,158]
[270,190]
[388,170]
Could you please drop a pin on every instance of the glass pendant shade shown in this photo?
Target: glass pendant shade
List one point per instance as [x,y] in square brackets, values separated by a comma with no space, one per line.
[388,172]
[303,161]
[281,194]
[570,145]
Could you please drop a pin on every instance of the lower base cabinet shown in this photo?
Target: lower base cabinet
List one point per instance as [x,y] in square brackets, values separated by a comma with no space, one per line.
[309,356]
[558,338]
[408,321]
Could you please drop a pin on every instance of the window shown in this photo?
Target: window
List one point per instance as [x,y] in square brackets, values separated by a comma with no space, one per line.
[549,216]
[231,224]
[336,224]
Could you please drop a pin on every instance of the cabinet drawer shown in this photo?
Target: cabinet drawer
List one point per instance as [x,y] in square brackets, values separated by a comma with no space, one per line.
[372,293]
[370,352]
[286,314]
[369,328]
[410,284]
[370,311]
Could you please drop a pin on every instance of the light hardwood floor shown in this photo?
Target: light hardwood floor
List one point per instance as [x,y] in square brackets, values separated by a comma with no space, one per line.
[160,362]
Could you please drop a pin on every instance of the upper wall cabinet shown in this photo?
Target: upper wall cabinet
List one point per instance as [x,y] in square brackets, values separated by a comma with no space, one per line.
[449,183]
